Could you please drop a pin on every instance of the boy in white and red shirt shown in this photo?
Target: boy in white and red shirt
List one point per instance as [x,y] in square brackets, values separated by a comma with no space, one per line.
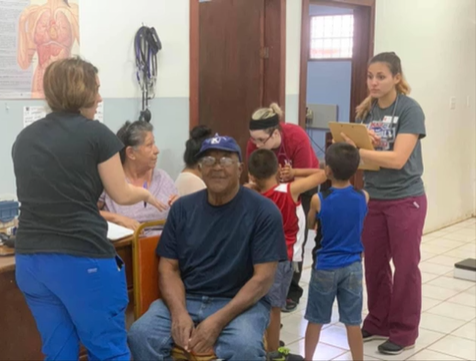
[263,171]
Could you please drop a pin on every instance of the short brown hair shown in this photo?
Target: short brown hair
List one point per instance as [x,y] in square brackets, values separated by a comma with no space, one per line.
[70,84]
[263,164]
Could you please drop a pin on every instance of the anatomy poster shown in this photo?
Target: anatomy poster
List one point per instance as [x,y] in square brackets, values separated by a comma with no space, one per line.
[34,33]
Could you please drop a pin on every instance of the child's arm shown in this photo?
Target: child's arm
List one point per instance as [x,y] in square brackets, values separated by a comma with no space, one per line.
[308,183]
[313,210]
[289,173]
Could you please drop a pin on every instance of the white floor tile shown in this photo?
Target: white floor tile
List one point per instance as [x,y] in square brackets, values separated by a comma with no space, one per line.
[462,254]
[348,357]
[457,285]
[435,249]
[471,248]
[288,338]
[464,298]
[426,277]
[295,324]
[446,242]
[427,238]
[469,231]
[427,355]
[455,346]
[428,303]
[471,291]
[437,234]
[323,352]
[335,336]
[425,255]
[467,331]
[444,260]
[439,323]
[437,269]
[455,311]
[430,291]
[460,237]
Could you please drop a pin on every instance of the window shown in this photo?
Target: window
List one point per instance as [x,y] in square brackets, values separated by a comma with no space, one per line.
[332,36]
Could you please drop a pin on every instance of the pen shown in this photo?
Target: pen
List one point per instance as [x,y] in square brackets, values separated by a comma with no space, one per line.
[145,186]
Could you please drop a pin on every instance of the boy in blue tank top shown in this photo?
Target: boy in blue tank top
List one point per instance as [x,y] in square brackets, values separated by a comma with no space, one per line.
[337,271]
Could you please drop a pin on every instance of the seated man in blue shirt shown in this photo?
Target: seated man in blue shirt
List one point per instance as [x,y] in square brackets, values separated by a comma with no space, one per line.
[218,255]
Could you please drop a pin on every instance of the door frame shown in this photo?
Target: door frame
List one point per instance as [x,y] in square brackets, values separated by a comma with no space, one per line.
[274,71]
[360,56]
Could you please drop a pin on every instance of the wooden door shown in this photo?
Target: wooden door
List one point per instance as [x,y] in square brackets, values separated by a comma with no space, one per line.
[231,63]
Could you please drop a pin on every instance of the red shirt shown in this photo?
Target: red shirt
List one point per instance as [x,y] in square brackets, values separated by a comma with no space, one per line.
[294,222]
[295,148]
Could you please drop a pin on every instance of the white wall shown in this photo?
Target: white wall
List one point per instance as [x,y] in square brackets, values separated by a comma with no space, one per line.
[437,44]
[293,59]
[107,32]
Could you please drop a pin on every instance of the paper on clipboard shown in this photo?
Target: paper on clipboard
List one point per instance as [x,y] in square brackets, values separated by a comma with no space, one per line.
[358,133]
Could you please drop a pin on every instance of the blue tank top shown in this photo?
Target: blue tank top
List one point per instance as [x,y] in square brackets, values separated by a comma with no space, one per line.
[341,220]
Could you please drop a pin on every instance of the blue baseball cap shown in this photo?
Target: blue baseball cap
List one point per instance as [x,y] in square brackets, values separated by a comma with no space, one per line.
[220,143]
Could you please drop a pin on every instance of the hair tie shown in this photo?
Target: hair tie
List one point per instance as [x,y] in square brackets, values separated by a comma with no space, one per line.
[264,123]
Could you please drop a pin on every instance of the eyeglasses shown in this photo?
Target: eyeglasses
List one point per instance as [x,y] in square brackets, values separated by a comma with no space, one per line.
[210,161]
[260,141]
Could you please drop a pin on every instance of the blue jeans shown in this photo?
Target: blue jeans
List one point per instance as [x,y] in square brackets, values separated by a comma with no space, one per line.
[343,283]
[76,299]
[150,336]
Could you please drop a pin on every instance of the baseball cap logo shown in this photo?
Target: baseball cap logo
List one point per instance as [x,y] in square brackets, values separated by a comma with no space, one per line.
[215,140]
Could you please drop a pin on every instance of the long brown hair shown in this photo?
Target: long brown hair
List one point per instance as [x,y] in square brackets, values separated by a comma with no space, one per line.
[395,66]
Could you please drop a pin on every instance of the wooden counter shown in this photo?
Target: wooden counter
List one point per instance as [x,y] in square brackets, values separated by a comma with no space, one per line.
[19,337]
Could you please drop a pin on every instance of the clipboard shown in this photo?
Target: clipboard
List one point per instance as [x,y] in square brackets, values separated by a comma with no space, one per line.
[358,133]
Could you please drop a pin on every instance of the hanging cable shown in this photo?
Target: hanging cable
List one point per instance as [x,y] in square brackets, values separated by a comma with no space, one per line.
[146,46]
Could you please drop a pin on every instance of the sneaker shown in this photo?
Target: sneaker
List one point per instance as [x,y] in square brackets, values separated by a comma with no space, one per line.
[367,337]
[392,349]
[291,306]
[283,354]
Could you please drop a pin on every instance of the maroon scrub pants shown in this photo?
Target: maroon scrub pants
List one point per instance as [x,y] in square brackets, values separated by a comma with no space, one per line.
[393,230]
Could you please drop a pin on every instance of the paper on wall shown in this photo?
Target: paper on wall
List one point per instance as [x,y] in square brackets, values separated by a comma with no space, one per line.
[32,114]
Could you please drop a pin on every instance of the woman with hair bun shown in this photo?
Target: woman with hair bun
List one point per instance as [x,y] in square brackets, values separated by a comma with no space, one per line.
[190,179]
[293,149]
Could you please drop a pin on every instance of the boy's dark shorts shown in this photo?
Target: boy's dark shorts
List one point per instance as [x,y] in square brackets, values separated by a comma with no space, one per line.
[282,280]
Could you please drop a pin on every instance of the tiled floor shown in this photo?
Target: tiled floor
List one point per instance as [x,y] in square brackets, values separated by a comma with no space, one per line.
[448,323]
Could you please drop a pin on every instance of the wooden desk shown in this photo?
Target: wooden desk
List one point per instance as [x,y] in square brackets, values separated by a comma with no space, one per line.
[19,337]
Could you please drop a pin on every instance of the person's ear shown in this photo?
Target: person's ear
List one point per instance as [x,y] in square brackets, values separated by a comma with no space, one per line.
[397,79]
[130,153]
[240,169]
[328,171]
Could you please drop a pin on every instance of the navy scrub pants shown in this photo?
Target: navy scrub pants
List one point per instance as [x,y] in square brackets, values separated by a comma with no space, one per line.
[76,299]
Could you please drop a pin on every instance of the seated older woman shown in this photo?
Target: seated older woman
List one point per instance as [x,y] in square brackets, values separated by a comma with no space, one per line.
[139,158]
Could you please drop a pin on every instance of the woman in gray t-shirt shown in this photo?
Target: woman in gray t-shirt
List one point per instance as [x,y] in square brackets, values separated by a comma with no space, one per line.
[397,207]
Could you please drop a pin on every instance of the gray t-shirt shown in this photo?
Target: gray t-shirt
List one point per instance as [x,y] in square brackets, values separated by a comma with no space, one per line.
[391,184]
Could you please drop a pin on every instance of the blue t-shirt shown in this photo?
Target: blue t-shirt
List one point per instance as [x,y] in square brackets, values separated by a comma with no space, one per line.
[341,220]
[217,246]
